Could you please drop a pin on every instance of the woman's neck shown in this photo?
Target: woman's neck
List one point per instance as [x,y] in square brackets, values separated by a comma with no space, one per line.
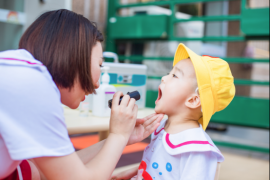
[180,122]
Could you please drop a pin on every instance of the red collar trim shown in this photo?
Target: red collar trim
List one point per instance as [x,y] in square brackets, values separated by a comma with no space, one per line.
[185,143]
[156,133]
[28,62]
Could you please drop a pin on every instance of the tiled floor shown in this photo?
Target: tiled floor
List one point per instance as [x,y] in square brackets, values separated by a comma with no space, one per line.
[238,165]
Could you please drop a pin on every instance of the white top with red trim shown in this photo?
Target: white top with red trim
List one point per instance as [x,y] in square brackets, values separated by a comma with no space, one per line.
[188,155]
[31,114]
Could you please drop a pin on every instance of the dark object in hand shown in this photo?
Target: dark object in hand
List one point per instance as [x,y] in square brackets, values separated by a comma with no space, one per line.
[135,95]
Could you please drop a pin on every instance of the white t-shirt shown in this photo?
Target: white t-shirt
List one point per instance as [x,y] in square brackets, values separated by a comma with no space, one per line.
[188,155]
[31,115]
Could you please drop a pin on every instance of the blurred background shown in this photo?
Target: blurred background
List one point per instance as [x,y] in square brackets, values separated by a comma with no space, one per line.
[147,32]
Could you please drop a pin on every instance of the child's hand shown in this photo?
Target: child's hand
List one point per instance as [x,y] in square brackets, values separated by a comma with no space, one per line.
[126,174]
[144,127]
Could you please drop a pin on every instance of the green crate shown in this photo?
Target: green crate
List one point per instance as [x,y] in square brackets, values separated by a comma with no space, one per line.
[245,111]
[139,27]
[255,22]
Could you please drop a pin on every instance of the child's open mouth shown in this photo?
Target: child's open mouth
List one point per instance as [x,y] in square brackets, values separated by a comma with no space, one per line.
[159,95]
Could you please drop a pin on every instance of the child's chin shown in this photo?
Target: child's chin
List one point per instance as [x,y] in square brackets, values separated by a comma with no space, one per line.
[158,110]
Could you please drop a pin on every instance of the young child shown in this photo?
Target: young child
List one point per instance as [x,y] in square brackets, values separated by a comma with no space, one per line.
[196,88]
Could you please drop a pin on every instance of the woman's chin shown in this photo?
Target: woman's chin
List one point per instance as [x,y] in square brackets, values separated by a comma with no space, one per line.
[73,106]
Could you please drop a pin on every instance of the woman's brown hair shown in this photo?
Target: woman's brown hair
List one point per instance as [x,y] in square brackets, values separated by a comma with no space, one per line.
[63,40]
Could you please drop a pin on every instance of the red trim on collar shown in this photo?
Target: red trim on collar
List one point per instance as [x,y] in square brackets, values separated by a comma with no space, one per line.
[156,133]
[185,143]
[28,62]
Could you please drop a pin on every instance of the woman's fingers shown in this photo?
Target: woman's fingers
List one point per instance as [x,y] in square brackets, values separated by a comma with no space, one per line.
[131,103]
[154,118]
[139,121]
[135,109]
[151,120]
[125,101]
[149,117]
[151,125]
[116,98]
[123,117]
[150,129]
[139,175]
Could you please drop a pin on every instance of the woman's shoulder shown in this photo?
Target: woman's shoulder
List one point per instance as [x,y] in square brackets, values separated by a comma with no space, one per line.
[24,72]
[19,56]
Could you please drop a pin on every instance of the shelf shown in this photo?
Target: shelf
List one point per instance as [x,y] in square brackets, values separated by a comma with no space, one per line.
[12,17]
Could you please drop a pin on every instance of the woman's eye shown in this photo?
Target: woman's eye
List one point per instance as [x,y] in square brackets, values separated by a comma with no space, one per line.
[101,66]
[174,76]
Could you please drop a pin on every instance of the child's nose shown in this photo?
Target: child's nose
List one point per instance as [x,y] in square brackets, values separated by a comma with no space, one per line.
[163,79]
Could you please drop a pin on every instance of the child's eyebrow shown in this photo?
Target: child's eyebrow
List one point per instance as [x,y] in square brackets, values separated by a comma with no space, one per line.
[180,70]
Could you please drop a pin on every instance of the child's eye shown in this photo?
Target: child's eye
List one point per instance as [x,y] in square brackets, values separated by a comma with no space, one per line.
[174,76]
[101,66]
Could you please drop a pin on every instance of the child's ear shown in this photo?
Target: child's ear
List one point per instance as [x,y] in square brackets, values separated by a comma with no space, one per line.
[193,102]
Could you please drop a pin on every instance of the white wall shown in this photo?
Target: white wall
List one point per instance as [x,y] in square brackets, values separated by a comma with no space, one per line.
[34,8]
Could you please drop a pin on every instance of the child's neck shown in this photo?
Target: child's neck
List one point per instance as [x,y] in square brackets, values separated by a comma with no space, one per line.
[180,122]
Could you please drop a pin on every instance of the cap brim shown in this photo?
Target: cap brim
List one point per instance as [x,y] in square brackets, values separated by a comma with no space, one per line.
[203,79]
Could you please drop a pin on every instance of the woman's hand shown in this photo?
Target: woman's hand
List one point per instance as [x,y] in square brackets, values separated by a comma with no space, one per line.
[139,175]
[123,116]
[144,127]
[126,174]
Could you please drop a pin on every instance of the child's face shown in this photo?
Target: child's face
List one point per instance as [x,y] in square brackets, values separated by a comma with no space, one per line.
[176,88]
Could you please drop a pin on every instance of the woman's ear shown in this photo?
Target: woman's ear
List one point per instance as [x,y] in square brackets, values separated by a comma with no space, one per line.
[193,102]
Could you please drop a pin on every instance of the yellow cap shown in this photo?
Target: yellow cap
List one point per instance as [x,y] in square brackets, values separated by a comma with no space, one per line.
[215,82]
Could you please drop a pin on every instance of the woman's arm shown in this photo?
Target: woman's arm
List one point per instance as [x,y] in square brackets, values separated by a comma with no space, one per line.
[144,127]
[70,167]
[128,174]
[123,120]
[90,152]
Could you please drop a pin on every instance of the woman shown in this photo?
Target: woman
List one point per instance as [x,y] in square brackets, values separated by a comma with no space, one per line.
[58,61]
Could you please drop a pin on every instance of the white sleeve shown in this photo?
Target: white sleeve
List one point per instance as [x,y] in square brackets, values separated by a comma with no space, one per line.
[31,115]
[198,166]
